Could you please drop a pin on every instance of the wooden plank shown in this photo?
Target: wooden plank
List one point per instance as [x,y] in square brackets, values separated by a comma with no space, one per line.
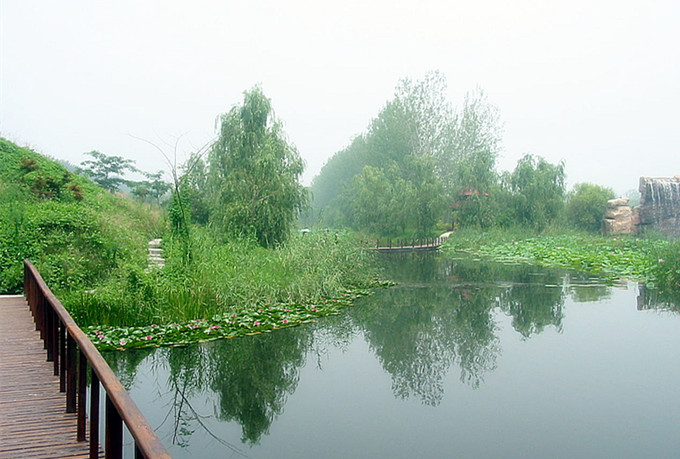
[33,419]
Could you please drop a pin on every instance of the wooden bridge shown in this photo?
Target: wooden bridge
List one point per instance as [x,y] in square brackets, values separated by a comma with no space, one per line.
[44,363]
[411,245]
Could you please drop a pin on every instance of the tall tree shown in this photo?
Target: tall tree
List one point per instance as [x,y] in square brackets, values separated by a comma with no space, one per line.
[537,190]
[474,137]
[254,172]
[417,128]
[106,171]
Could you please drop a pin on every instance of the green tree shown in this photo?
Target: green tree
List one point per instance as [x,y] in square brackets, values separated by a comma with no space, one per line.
[152,189]
[473,141]
[106,171]
[586,205]
[537,191]
[428,153]
[254,173]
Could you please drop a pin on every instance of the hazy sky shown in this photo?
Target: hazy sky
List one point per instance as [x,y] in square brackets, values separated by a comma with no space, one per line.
[594,83]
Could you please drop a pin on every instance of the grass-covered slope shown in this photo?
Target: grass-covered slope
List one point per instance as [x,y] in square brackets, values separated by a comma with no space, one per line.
[73,231]
[91,248]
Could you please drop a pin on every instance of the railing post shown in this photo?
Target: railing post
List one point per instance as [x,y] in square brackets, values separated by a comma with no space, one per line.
[40,314]
[62,353]
[49,320]
[82,395]
[94,415]
[114,431]
[71,372]
[55,343]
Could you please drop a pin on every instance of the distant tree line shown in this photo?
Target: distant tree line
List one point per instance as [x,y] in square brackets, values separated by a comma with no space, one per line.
[422,166]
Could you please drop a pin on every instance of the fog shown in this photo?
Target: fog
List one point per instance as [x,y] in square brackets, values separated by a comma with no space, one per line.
[593,83]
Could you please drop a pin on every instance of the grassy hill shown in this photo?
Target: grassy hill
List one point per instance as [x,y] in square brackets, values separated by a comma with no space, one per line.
[73,231]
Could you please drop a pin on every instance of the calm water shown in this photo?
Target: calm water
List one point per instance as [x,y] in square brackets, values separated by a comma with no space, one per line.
[462,359]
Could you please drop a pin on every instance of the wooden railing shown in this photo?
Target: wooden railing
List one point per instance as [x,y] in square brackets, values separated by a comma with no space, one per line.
[72,353]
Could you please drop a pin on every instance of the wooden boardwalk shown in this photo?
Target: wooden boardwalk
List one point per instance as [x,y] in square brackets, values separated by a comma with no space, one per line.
[413,245]
[33,418]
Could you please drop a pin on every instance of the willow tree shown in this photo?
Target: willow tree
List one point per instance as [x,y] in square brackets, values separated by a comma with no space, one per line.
[254,172]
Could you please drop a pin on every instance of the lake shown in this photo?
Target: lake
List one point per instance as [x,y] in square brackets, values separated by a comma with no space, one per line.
[462,358]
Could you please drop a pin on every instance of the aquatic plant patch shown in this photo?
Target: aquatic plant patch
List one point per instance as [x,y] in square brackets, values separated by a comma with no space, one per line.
[226,325]
[611,258]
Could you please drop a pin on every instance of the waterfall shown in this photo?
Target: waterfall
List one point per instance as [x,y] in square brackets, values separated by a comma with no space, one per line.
[660,204]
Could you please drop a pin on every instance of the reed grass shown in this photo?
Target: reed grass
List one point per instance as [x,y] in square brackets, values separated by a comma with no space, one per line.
[222,277]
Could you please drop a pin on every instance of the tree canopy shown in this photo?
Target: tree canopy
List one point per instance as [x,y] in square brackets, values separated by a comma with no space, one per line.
[253,173]
[586,205]
[106,171]
[416,155]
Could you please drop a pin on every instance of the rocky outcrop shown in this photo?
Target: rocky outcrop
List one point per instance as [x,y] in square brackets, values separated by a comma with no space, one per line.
[619,218]
[659,209]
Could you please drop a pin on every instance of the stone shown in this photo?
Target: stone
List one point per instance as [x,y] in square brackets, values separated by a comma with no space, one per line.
[619,213]
[612,227]
[618,218]
[618,202]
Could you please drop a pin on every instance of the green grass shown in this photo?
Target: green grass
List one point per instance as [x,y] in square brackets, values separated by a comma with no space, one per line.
[310,277]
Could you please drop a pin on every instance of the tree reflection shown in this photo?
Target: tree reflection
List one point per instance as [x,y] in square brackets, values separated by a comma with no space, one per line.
[531,295]
[420,331]
[124,364]
[253,377]
[585,288]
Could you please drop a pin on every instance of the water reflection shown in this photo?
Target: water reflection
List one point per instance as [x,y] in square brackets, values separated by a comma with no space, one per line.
[441,319]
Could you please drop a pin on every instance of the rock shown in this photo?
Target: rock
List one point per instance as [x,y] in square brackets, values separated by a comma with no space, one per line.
[619,213]
[618,218]
[618,202]
[612,227]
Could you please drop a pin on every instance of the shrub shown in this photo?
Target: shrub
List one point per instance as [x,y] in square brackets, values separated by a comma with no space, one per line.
[586,206]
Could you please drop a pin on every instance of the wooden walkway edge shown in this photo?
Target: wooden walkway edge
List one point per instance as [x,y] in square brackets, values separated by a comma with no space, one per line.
[33,418]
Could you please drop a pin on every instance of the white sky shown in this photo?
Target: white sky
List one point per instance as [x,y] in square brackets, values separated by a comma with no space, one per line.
[594,83]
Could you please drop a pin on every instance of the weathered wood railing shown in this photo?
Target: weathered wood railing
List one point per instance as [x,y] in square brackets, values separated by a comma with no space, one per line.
[72,352]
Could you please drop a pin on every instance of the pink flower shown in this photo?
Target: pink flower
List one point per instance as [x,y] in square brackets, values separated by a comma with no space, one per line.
[123,342]
[147,337]
[287,310]
[314,309]
[195,325]
[154,325]
[256,323]
[233,315]
[214,327]
[284,321]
